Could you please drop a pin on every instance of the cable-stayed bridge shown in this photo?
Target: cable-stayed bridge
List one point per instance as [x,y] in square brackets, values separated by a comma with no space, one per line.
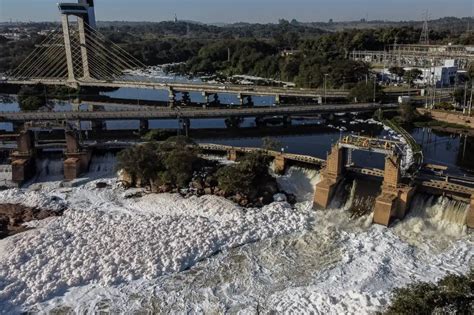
[76,54]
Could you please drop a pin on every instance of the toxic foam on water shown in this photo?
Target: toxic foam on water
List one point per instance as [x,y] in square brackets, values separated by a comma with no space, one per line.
[125,255]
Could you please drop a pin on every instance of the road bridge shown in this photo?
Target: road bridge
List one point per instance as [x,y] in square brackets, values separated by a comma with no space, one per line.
[191,113]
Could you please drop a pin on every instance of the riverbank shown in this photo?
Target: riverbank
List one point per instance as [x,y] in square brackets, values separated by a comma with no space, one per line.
[446,121]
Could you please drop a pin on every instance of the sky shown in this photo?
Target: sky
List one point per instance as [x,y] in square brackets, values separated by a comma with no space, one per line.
[227,11]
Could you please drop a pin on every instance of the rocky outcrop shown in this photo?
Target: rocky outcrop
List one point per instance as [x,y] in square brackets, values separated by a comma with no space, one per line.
[265,191]
[14,216]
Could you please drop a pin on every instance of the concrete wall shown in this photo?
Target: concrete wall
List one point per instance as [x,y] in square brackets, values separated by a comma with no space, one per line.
[331,176]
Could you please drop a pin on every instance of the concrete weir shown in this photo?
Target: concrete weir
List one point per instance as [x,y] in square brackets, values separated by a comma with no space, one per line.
[77,159]
[394,199]
[23,161]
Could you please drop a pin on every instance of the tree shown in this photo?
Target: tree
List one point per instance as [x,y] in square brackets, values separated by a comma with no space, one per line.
[171,162]
[271,144]
[244,176]
[364,92]
[398,71]
[31,97]
[141,162]
[451,295]
[412,75]
[470,71]
[407,113]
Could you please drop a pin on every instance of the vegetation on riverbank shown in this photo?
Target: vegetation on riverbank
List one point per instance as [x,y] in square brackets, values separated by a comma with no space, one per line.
[290,50]
[175,165]
[451,295]
[33,97]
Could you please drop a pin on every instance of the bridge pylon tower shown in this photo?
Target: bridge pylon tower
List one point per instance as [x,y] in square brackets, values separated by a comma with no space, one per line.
[75,53]
[83,11]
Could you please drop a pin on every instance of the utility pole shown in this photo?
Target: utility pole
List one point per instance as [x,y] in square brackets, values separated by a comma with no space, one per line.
[325,88]
[375,85]
[465,99]
[470,103]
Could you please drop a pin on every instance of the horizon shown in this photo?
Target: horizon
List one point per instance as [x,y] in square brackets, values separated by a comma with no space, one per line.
[246,11]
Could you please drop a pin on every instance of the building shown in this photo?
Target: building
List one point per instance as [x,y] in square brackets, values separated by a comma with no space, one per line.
[441,76]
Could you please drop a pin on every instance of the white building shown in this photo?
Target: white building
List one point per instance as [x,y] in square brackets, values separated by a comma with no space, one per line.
[441,76]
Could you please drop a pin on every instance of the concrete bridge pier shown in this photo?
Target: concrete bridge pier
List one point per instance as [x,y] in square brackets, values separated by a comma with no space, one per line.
[77,160]
[171,97]
[216,101]
[185,124]
[76,105]
[249,101]
[206,99]
[331,177]
[144,125]
[22,160]
[98,125]
[394,200]
[279,164]
[277,99]
[185,99]
[232,155]
[241,99]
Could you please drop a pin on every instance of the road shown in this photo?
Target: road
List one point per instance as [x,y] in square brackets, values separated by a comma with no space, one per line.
[170,113]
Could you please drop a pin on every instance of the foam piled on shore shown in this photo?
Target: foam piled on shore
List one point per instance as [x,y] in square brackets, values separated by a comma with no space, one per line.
[107,240]
[166,254]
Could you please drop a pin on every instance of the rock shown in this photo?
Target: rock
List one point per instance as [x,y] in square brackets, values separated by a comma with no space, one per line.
[197,184]
[270,187]
[101,185]
[244,202]
[208,191]
[165,188]
[267,198]
[279,197]
[133,194]
[291,199]
[13,216]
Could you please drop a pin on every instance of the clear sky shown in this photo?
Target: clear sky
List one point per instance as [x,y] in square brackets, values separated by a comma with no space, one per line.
[211,11]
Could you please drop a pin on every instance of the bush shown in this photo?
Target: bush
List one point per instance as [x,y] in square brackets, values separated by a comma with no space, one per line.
[444,106]
[171,162]
[244,176]
[453,294]
[407,113]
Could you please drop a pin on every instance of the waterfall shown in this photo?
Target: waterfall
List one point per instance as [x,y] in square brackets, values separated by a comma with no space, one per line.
[440,211]
[440,218]
[356,196]
[49,169]
[299,181]
[103,164]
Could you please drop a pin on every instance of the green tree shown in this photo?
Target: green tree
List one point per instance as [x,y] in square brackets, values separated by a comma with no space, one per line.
[398,71]
[451,295]
[271,144]
[412,75]
[31,97]
[244,176]
[364,92]
[407,113]
[141,162]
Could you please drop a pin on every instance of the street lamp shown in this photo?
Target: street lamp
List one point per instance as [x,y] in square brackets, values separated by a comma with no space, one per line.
[375,86]
[325,87]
